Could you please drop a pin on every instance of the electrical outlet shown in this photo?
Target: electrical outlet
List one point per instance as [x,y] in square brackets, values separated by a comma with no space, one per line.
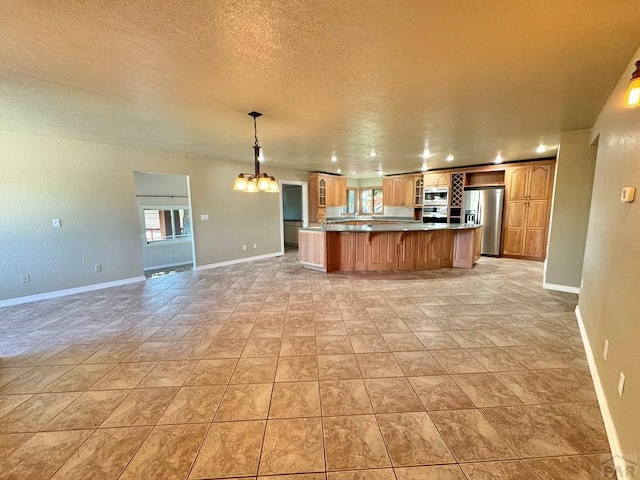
[255,245]
[621,384]
[244,247]
[25,278]
[56,222]
[605,352]
[97,267]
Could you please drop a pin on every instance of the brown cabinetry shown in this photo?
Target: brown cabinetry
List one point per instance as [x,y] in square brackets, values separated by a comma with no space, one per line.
[527,205]
[325,191]
[418,190]
[437,180]
[398,191]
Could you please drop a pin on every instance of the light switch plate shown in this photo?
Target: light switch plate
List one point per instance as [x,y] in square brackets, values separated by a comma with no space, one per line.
[628,194]
[56,222]
[204,216]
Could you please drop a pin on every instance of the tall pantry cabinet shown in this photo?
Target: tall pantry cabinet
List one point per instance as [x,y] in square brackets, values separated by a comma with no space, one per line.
[528,190]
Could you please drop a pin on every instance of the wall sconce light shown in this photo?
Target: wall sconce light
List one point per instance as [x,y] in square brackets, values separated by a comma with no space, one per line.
[632,98]
[256,182]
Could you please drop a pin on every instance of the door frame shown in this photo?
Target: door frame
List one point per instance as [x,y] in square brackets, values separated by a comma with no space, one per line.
[305,207]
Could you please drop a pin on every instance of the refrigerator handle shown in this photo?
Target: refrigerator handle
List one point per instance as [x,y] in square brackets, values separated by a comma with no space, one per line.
[479,214]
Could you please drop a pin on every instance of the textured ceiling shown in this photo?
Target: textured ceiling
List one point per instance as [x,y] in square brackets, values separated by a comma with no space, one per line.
[465,77]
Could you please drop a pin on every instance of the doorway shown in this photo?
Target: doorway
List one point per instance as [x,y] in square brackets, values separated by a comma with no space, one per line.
[293,212]
[166,233]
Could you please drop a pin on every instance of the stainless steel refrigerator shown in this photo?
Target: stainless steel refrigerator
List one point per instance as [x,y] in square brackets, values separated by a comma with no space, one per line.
[483,206]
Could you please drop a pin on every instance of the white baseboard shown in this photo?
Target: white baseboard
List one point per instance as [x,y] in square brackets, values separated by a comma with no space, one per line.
[561,288]
[69,291]
[239,260]
[609,426]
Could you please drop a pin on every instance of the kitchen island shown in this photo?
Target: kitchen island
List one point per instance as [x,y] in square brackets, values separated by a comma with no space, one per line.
[391,246]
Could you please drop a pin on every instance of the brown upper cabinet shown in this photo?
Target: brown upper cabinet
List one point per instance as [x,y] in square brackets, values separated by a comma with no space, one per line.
[437,180]
[530,182]
[399,191]
[418,190]
[325,191]
[527,207]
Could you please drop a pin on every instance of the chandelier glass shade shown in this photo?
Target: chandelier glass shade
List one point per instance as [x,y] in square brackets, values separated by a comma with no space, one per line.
[256,181]
[632,98]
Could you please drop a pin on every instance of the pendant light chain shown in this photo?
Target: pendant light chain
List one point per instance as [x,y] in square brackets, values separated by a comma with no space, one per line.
[256,182]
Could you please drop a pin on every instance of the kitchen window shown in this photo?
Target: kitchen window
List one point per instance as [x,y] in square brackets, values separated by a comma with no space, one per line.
[166,224]
[371,201]
[351,208]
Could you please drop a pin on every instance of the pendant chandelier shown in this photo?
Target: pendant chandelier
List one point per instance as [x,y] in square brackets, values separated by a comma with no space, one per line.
[256,182]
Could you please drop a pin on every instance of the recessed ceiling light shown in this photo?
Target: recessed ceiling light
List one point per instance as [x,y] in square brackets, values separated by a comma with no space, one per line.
[334,158]
[498,158]
[380,172]
[541,148]
[450,158]
[426,154]
[353,173]
[339,171]
[373,153]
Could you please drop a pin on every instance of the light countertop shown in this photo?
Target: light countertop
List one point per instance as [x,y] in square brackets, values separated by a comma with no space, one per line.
[370,218]
[393,227]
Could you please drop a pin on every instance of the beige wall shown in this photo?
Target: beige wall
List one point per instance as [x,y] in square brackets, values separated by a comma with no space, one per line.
[610,299]
[90,188]
[162,190]
[570,211]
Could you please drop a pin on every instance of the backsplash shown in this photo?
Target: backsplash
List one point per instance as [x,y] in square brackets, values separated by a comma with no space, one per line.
[405,212]
[398,212]
[333,212]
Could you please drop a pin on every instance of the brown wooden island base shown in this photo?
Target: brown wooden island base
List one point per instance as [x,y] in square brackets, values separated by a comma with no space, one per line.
[353,249]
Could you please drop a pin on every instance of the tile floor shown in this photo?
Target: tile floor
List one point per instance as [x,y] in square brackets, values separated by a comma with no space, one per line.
[267,369]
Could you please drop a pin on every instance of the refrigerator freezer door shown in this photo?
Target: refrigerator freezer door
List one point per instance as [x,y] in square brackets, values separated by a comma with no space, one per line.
[490,215]
[470,206]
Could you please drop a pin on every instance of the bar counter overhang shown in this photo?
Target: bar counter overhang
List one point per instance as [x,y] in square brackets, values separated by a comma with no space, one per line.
[396,246]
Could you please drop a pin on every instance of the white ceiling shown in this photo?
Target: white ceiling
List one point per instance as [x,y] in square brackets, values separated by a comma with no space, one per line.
[465,77]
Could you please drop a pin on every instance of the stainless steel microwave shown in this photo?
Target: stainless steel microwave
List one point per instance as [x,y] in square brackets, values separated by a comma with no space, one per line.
[436,196]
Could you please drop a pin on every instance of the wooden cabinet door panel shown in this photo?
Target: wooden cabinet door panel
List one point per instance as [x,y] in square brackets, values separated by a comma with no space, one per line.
[516,214]
[443,180]
[406,252]
[536,216]
[512,242]
[341,189]
[322,192]
[421,259]
[408,189]
[539,182]
[534,243]
[398,191]
[387,191]
[360,250]
[331,192]
[346,251]
[516,184]
[382,252]
[430,180]
[445,247]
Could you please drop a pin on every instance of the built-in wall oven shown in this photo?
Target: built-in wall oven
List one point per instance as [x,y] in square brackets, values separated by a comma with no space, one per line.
[436,196]
[434,214]
[435,207]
